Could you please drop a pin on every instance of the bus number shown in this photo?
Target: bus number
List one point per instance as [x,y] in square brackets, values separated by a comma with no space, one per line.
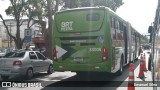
[95,49]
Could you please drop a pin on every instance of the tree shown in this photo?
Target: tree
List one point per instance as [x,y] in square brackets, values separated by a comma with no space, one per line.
[39,11]
[112,4]
[70,3]
[16,9]
[36,10]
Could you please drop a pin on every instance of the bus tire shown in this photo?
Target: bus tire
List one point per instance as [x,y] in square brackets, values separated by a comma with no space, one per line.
[120,71]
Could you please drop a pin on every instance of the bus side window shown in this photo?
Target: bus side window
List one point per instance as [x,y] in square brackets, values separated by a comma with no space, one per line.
[133,35]
[112,21]
[120,34]
[113,30]
[124,32]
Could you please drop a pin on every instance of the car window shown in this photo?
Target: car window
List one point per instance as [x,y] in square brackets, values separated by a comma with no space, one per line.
[15,55]
[40,56]
[9,54]
[32,55]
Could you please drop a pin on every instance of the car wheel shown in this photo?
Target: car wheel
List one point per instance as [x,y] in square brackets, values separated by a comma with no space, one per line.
[29,74]
[50,69]
[5,77]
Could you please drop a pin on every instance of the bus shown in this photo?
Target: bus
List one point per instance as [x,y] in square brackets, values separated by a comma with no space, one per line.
[154,41]
[93,39]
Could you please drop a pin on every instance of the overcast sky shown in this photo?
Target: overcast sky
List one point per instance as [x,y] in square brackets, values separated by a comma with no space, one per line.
[4,5]
[140,13]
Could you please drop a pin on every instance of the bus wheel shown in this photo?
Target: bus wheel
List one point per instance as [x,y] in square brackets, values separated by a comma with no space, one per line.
[119,72]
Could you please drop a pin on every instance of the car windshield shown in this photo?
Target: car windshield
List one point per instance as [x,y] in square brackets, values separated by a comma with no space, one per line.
[15,55]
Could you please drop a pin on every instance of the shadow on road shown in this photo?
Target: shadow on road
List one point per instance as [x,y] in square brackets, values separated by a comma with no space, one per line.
[87,81]
[83,81]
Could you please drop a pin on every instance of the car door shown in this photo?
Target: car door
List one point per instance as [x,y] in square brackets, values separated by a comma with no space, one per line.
[34,61]
[44,63]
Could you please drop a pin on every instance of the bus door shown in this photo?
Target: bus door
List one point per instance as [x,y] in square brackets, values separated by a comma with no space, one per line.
[126,45]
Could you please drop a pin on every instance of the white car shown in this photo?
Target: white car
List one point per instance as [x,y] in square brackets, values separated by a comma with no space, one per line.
[5,51]
[24,63]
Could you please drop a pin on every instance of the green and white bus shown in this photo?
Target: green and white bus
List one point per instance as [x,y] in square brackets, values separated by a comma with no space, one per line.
[154,41]
[93,39]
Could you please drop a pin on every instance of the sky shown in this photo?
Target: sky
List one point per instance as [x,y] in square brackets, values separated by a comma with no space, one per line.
[4,5]
[140,13]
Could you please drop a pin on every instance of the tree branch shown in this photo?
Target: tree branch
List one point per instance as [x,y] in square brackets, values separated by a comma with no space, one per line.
[7,28]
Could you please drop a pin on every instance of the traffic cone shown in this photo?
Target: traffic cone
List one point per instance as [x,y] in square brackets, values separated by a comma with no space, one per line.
[141,71]
[131,77]
[144,63]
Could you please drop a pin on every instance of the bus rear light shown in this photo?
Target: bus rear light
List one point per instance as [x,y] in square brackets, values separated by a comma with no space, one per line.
[54,54]
[104,54]
[77,33]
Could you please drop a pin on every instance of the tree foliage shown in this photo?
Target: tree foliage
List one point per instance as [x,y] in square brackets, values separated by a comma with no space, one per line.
[112,4]
[36,11]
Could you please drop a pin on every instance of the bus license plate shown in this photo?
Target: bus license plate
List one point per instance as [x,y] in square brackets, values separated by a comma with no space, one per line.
[78,59]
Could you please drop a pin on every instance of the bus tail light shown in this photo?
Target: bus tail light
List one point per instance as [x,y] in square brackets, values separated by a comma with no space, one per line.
[77,33]
[104,54]
[54,54]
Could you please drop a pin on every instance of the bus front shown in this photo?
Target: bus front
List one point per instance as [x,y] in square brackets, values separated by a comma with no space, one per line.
[80,41]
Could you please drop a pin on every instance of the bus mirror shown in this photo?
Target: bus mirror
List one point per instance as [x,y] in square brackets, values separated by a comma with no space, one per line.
[150,29]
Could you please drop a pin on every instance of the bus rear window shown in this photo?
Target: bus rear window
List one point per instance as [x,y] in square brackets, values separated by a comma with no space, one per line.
[93,17]
[79,20]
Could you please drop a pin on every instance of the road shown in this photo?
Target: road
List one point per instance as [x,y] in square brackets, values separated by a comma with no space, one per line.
[71,81]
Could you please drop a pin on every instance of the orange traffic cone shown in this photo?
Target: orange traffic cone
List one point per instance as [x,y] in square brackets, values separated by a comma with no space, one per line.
[144,63]
[141,71]
[131,77]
